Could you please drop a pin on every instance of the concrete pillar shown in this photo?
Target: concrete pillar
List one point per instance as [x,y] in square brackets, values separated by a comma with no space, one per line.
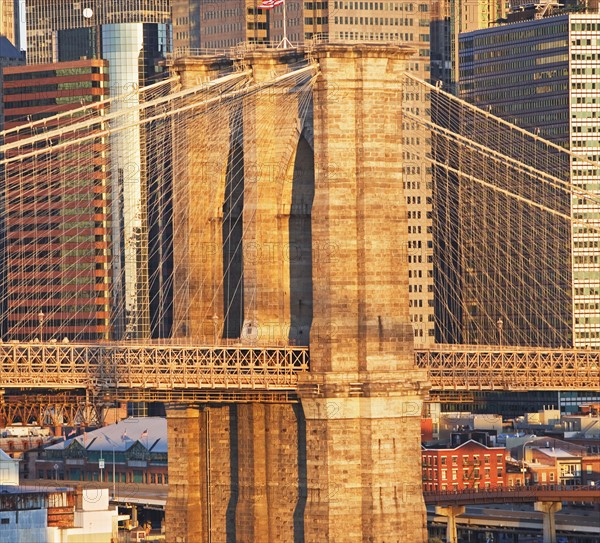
[202,155]
[271,136]
[450,512]
[186,518]
[363,397]
[549,510]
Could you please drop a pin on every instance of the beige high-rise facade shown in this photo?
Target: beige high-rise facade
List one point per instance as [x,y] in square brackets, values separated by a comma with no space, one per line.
[9,20]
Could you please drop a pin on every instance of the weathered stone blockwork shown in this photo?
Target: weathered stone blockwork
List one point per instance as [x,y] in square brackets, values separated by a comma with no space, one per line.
[344,466]
[235,473]
[363,395]
[198,196]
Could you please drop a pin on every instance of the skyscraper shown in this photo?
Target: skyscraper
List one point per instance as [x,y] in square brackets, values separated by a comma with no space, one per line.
[9,21]
[449,19]
[542,74]
[134,36]
[55,273]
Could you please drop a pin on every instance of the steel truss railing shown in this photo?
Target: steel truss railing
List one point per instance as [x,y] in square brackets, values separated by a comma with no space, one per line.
[164,372]
[517,494]
[58,409]
[155,367]
[480,367]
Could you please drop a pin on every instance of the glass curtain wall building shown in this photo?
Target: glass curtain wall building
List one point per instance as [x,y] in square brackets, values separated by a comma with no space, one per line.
[134,36]
[544,76]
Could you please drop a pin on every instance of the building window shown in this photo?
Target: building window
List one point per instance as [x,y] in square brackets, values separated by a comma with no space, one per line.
[5,521]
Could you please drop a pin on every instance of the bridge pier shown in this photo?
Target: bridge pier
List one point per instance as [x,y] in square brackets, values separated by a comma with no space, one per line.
[549,510]
[272,130]
[357,475]
[450,512]
[363,396]
[186,519]
[202,154]
[234,473]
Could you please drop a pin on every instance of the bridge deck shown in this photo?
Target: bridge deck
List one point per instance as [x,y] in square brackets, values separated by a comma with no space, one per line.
[134,371]
[530,494]
[480,367]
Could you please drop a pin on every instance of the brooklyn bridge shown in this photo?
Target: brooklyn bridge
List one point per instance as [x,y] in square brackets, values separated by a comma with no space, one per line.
[262,289]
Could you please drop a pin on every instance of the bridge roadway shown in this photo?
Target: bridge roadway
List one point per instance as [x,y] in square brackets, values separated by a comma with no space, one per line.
[235,372]
[156,495]
[529,494]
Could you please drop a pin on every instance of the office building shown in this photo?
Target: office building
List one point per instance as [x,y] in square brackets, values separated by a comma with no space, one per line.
[543,75]
[55,277]
[134,36]
[10,21]
[449,18]
[185,15]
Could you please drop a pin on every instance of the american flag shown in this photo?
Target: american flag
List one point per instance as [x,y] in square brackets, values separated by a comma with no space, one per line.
[270,4]
[72,433]
[144,434]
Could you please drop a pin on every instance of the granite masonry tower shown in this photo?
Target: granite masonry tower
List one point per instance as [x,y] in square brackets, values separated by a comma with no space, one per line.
[343,465]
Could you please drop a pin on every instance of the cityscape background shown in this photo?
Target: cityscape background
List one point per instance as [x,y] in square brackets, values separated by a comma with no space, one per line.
[90,247]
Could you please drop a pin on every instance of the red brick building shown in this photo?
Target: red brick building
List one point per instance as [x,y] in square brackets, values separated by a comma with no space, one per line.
[590,469]
[470,465]
[55,275]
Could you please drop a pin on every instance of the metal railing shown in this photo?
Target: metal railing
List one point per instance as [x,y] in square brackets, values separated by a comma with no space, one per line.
[170,367]
[514,494]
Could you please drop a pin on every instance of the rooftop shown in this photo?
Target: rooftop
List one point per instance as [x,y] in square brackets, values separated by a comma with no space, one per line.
[150,432]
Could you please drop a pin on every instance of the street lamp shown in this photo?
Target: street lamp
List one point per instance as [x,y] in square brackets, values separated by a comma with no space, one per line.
[500,324]
[101,466]
[523,458]
[41,318]
[215,319]
[113,470]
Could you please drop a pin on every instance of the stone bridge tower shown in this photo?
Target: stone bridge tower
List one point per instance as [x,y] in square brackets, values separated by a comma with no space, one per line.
[344,466]
[364,407]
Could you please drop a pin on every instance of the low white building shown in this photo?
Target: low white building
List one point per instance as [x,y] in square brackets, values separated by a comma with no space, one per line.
[94,520]
[9,470]
[56,515]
